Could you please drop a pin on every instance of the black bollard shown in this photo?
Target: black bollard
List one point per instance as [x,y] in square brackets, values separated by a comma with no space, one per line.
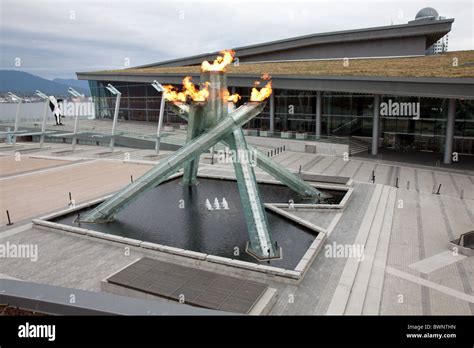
[8,218]
[299,171]
[439,188]
[396,183]
[131,178]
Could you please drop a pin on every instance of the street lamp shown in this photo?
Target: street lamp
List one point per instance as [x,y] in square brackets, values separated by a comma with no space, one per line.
[118,95]
[156,85]
[76,94]
[43,126]
[17,116]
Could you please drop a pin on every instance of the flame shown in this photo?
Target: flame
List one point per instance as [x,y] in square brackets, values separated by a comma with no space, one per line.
[227,97]
[189,90]
[220,63]
[264,92]
[234,98]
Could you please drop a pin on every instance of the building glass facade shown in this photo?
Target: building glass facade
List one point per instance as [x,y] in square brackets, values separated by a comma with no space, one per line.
[343,115]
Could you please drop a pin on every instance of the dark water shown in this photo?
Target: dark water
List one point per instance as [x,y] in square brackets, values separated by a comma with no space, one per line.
[157,217]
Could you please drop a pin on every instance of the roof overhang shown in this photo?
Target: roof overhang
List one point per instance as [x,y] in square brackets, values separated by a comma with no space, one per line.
[430,30]
[460,88]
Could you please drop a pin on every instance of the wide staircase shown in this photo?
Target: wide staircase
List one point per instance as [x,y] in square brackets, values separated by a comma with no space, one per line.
[361,284]
[357,145]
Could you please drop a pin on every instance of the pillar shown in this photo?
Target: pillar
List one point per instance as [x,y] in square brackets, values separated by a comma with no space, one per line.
[272,112]
[318,113]
[376,125]
[448,145]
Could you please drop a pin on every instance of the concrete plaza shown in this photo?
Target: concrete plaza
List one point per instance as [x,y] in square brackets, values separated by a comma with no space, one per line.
[407,267]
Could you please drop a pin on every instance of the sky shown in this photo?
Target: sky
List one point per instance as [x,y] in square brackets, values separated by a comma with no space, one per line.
[56,38]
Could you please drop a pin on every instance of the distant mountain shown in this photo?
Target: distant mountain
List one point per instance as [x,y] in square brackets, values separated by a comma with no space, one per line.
[73,83]
[26,84]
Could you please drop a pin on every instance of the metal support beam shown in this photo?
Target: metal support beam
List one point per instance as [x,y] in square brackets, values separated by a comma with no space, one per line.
[265,163]
[318,113]
[196,123]
[272,112]
[448,145]
[74,137]
[114,124]
[260,241]
[43,125]
[160,123]
[287,178]
[376,125]
[105,212]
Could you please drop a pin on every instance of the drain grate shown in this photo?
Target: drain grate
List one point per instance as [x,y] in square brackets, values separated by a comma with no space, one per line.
[199,288]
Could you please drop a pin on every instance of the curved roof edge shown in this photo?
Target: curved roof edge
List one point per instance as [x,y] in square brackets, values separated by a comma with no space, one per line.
[436,29]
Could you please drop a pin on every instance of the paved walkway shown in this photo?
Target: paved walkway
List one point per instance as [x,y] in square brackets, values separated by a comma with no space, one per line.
[407,267]
[465,162]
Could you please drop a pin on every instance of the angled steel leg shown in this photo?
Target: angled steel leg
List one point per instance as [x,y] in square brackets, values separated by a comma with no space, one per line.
[105,212]
[265,163]
[260,241]
[196,125]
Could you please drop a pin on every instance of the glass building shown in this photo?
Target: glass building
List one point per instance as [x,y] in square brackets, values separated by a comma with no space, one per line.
[343,115]
[316,98]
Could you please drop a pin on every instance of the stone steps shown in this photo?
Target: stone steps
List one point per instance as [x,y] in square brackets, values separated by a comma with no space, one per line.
[360,287]
[373,296]
[357,299]
[343,290]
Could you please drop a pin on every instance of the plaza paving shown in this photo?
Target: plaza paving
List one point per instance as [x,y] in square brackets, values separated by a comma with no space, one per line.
[407,266]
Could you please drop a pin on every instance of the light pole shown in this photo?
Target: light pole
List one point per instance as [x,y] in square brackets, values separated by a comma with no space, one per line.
[43,125]
[156,85]
[17,117]
[118,95]
[76,94]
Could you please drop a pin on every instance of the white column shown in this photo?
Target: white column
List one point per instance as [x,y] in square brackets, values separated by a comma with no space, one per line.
[160,123]
[43,125]
[114,123]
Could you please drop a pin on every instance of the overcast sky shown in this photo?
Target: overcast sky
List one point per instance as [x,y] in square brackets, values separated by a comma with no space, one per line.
[57,38]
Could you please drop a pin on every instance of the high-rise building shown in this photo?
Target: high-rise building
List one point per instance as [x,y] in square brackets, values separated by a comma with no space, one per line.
[430,14]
